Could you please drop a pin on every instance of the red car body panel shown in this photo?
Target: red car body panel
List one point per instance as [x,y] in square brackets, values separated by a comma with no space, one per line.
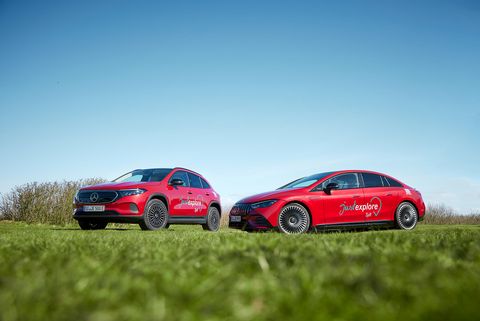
[185,204]
[356,206]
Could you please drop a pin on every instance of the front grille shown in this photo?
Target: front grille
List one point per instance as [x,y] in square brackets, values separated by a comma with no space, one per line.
[241,209]
[262,222]
[251,223]
[94,197]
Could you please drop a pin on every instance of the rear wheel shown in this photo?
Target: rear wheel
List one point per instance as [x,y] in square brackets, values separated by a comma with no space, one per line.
[155,216]
[88,225]
[406,216]
[213,220]
[294,219]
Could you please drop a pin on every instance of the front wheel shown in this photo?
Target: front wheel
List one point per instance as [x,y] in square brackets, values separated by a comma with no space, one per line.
[87,225]
[213,220]
[294,219]
[155,216]
[406,216]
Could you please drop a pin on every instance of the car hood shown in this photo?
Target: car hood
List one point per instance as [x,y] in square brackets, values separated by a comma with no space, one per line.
[115,186]
[276,194]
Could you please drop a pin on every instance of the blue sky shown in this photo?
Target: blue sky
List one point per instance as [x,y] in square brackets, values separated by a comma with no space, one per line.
[252,94]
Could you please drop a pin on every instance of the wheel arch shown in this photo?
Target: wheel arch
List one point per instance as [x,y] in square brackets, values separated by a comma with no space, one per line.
[161,197]
[304,205]
[217,206]
[407,201]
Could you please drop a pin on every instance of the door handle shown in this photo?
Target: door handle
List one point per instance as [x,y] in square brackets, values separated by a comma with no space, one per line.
[355,196]
[208,194]
[190,193]
[389,194]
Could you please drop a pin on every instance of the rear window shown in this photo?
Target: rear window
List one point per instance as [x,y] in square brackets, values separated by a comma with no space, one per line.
[372,180]
[204,183]
[194,181]
[392,182]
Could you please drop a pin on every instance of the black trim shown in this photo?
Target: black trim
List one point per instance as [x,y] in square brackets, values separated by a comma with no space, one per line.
[385,223]
[107,216]
[216,203]
[250,222]
[91,191]
[187,220]
[161,195]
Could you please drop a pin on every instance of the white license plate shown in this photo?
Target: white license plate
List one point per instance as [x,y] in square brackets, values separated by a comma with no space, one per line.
[94,208]
[235,218]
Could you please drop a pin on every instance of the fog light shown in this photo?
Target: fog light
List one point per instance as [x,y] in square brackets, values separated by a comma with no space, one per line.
[133,208]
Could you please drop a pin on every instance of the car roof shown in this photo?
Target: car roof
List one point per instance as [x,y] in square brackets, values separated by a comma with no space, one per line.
[170,169]
[357,171]
[186,169]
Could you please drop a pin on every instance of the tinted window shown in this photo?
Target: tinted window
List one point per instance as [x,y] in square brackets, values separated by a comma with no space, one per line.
[392,182]
[305,181]
[180,175]
[194,181]
[204,183]
[372,180]
[344,181]
[145,175]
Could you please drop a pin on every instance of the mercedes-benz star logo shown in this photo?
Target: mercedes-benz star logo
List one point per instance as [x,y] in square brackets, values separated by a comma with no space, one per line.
[94,197]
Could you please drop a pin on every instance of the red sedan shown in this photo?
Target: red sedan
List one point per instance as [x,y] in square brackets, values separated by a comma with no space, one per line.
[348,198]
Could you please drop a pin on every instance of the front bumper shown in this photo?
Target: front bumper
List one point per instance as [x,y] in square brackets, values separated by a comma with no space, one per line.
[253,222]
[254,219]
[128,207]
[107,216]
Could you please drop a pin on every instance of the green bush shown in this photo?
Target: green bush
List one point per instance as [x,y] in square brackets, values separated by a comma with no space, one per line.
[47,203]
[441,214]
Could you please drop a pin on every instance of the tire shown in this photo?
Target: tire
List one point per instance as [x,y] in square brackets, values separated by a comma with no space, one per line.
[406,216]
[293,219]
[155,216]
[213,220]
[87,225]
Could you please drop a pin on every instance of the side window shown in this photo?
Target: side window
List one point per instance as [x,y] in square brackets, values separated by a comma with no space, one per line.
[372,180]
[344,181]
[204,183]
[194,181]
[392,182]
[180,175]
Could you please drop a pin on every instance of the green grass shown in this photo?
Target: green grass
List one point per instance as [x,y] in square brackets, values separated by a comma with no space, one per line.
[184,273]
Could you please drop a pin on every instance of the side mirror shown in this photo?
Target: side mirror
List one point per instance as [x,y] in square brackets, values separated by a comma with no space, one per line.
[330,186]
[176,182]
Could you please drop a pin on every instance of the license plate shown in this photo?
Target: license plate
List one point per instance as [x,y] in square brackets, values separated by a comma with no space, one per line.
[94,208]
[235,218]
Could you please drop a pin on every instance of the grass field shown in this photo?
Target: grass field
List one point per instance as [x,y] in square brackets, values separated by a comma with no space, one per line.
[184,273]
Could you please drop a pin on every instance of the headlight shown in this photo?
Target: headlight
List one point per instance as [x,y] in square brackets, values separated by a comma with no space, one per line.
[263,204]
[131,192]
[75,197]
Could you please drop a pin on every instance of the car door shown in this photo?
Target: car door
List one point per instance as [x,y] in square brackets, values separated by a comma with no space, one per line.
[341,205]
[198,202]
[179,195]
[379,198]
[208,192]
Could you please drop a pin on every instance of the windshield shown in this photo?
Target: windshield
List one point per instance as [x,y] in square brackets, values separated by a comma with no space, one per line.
[144,175]
[306,181]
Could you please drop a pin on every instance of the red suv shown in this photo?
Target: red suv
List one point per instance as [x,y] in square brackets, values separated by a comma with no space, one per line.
[347,198]
[153,198]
